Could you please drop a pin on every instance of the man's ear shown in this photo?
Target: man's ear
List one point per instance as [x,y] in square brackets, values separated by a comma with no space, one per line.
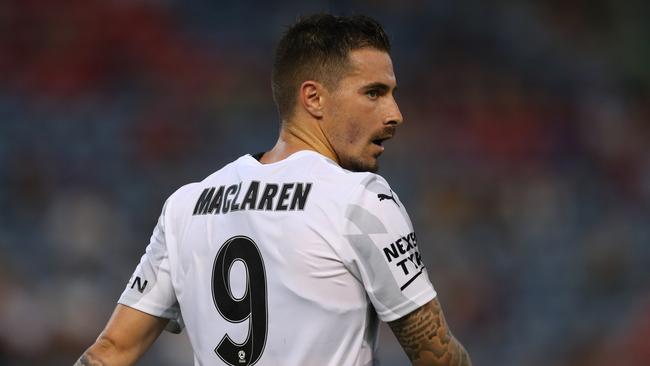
[311,98]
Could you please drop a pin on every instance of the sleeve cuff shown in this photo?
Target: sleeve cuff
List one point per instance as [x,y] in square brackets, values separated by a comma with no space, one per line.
[407,307]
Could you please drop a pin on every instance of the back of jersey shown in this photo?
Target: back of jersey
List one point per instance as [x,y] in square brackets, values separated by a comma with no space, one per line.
[257,261]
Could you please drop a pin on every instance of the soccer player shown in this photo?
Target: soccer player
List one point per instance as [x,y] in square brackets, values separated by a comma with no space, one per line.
[290,257]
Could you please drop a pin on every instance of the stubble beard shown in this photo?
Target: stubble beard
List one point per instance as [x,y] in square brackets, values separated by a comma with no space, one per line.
[358,165]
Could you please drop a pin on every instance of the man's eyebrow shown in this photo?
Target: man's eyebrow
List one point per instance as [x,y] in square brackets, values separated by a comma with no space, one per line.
[378,86]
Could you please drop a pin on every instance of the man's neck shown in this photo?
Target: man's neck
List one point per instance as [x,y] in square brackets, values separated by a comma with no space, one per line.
[297,136]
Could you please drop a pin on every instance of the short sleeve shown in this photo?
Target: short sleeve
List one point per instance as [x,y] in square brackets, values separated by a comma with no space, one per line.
[385,253]
[150,288]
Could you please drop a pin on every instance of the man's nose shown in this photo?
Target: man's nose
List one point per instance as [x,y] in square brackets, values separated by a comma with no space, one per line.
[394,118]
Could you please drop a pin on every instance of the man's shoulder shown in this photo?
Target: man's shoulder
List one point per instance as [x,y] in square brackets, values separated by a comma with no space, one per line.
[189,190]
[364,183]
[327,177]
[331,172]
[226,169]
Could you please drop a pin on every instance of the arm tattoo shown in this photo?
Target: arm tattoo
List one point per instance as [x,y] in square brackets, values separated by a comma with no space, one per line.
[88,360]
[426,339]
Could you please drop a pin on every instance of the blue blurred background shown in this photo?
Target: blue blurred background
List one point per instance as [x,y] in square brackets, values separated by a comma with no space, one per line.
[524,161]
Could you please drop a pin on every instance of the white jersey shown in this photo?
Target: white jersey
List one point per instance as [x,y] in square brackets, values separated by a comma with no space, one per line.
[289,263]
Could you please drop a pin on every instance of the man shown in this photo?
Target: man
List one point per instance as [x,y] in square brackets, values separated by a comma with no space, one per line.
[290,256]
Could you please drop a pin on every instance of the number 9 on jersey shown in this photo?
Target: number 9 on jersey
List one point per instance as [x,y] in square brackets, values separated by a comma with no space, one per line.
[252,306]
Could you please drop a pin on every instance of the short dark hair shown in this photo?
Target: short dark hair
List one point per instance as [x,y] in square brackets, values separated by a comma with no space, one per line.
[317,48]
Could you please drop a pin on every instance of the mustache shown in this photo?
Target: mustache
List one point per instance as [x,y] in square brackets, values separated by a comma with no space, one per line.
[386,133]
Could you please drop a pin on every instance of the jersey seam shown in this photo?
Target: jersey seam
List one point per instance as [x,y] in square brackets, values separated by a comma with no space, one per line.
[341,229]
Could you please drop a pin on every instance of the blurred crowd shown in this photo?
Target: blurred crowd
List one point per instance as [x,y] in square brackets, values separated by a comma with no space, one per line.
[524,161]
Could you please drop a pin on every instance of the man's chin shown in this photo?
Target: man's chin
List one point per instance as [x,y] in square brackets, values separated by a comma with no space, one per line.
[358,165]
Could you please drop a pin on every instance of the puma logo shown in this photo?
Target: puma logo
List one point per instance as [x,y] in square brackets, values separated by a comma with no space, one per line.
[382,197]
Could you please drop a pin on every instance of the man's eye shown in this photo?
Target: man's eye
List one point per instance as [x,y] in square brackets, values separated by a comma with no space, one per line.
[372,94]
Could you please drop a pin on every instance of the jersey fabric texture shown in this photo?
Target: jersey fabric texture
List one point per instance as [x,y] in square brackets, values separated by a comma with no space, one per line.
[288,263]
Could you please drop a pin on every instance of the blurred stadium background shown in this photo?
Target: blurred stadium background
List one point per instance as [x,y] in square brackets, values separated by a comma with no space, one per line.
[524,162]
